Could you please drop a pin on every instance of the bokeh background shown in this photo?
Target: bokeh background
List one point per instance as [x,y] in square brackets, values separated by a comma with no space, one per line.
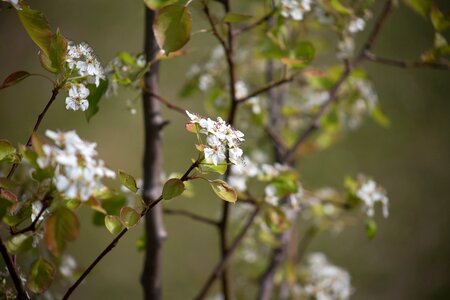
[410,257]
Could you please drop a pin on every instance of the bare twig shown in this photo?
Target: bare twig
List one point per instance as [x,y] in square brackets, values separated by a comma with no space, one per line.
[167,103]
[193,216]
[21,293]
[406,64]
[116,240]
[220,267]
[41,116]
[260,21]
[267,88]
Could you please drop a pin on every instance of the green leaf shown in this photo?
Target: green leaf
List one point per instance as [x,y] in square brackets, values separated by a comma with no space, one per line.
[7,150]
[440,21]
[158,4]
[380,117]
[60,227]
[20,243]
[209,167]
[301,56]
[111,203]
[223,190]
[276,220]
[37,27]
[127,181]
[141,243]
[113,224]
[337,5]
[172,27]
[55,60]
[172,188]
[371,229]
[41,276]
[95,94]
[235,18]
[14,78]
[129,216]
[422,7]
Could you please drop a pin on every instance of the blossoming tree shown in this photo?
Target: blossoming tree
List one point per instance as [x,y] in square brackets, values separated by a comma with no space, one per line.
[267,84]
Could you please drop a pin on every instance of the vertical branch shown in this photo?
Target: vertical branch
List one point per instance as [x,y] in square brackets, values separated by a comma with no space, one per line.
[155,234]
[21,294]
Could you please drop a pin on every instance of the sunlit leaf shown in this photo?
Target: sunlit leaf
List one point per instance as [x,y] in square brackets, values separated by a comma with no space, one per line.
[223,190]
[276,219]
[60,227]
[41,276]
[337,5]
[111,203]
[371,229]
[14,78]
[20,243]
[113,224]
[440,20]
[158,4]
[127,181]
[37,27]
[129,216]
[172,27]
[172,188]
[55,59]
[422,7]
[7,150]
[209,167]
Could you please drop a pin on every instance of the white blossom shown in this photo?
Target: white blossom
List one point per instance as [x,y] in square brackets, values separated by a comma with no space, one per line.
[82,59]
[295,9]
[345,48]
[356,25]
[220,137]
[370,193]
[14,3]
[77,98]
[241,89]
[324,281]
[68,265]
[205,82]
[77,173]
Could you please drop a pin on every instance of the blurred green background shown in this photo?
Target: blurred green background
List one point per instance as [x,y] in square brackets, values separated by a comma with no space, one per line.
[410,257]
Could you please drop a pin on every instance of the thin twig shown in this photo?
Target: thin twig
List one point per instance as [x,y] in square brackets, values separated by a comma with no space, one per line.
[276,139]
[220,267]
[260,21]
[266,88]
[41,116]
[168,104]
[406,64]
[193,216]
[21,293]
[120,235]
[333,93]
[32,226]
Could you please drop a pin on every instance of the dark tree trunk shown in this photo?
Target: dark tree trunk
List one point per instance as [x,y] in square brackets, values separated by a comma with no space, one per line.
[155,234]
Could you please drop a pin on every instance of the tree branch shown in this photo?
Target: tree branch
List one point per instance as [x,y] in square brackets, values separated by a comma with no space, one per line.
[21,293]
[220,267]
[116,240]
[333,93]
[155,234]
[405,64]
[260,21]
[267,88]
[193,216]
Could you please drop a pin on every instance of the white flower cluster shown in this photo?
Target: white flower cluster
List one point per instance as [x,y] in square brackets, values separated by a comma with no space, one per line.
[370,193]
[220,137]
[325,281]
[77,174]
[240,173]
[295,9]
[14,3]
[81,58]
